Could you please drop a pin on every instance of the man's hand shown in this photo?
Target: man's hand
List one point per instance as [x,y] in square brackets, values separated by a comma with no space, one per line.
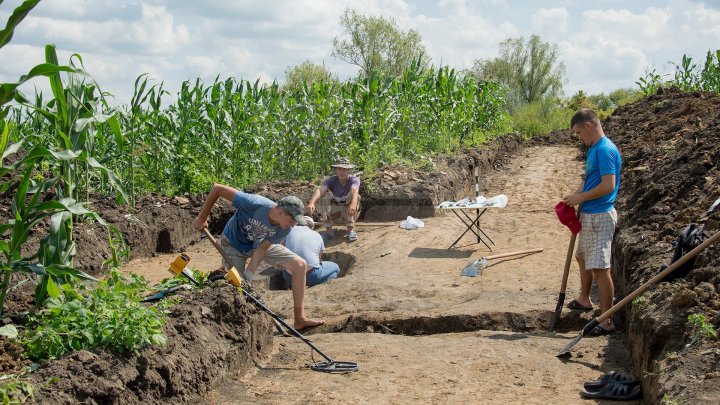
[573,199]
[199,223]
[352,209]
[310,208]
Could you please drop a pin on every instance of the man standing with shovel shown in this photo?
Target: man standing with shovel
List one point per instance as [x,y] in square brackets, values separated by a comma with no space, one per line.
[598,216]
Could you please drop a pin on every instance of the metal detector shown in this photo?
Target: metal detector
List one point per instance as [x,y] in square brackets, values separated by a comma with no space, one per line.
[233,277]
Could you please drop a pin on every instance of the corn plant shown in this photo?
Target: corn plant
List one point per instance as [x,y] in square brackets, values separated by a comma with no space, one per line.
[239,132]
[53,260]
[688,75]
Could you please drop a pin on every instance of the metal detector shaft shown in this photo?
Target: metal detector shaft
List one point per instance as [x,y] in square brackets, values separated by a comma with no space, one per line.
[292,330]
[262,306]
[610,312]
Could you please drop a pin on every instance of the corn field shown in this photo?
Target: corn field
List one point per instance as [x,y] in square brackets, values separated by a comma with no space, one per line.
[238,133]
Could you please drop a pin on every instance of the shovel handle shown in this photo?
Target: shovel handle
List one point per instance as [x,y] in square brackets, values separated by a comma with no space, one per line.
[568,261]
[217,246]
[522,252]
[689,255]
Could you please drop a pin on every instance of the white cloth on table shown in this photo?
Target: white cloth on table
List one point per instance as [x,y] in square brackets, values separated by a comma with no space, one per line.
[499,201]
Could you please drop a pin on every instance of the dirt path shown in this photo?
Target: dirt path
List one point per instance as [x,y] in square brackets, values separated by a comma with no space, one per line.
[408,282]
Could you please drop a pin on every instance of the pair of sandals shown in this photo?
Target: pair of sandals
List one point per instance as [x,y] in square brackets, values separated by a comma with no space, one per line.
[613,385]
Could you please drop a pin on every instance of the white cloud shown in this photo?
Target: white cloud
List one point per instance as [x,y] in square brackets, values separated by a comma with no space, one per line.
[552,20]
[604,45]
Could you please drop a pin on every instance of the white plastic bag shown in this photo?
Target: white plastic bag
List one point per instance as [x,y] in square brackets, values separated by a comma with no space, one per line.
[411,223]
[499,201]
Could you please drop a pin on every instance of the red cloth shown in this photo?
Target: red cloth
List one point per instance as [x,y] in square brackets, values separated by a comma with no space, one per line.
[567,216]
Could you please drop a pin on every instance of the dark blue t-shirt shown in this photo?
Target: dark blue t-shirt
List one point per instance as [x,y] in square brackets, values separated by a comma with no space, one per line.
[603,158]
[250,224]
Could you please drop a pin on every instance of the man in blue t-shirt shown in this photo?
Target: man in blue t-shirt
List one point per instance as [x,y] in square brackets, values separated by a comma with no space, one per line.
[598,217]
[308,244]
[255,231]
[339,199]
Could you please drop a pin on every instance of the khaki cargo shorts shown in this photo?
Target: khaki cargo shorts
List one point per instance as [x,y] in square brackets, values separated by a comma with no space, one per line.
[276,255]
[596,236]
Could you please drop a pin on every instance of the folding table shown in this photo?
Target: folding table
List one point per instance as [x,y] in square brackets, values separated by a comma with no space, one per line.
[471,224]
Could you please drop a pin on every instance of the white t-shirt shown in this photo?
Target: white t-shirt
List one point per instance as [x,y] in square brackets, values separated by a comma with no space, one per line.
[305,243]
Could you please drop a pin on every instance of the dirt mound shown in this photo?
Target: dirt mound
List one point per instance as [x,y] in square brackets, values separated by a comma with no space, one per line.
[212,333]
[394,192]
[669,143]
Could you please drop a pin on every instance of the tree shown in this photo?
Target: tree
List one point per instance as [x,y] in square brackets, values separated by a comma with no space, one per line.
[374,43]
[307,72]
[581,100]
[527,69]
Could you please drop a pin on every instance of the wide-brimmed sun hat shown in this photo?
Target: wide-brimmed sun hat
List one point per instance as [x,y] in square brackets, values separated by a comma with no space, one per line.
[343,163]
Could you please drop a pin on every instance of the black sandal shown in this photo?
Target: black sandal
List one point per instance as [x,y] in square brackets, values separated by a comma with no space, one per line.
[615,390]
[608,377]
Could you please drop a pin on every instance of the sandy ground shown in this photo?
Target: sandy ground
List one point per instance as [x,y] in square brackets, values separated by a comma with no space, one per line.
[401,274]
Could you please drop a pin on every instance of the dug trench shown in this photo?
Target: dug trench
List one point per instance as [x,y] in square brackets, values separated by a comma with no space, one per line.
[418,329]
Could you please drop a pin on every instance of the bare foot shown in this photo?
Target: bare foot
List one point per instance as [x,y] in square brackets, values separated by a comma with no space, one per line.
[301,324]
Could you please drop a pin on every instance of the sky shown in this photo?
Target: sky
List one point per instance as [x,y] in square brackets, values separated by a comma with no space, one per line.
[604,44]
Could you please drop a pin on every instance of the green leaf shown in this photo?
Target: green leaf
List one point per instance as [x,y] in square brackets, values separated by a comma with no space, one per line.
[11,149]
[9,90]
[9,331]
[53,290]
[17,16]
[4,137]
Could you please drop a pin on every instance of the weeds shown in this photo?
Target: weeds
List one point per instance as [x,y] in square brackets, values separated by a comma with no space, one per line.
[689,76]
[639,304]
[15,391]
[667,401]
[171,282]
[120,251]
[700,329]
[110,316]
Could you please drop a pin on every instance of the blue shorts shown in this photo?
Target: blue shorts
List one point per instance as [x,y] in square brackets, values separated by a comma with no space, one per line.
[326,272]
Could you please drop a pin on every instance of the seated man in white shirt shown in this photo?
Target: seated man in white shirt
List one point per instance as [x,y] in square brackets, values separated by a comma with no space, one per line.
[308,244]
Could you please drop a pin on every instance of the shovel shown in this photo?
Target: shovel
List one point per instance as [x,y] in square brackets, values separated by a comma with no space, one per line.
[565,352]
[563,284]
[572,222]
[476,267]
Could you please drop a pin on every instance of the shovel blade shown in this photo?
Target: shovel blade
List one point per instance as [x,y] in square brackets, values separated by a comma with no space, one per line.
[565,352]
[472,269]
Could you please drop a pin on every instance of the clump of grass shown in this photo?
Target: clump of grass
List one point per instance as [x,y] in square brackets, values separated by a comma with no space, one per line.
[700,329]
[15,391]
[109,316]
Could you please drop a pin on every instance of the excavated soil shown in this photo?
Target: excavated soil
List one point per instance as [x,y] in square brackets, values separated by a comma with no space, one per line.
[419,330]
[211,336]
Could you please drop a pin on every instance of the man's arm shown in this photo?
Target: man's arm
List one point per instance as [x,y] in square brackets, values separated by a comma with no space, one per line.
[217,191]
[353,203]
[310,208]
[606,186]
[258,255]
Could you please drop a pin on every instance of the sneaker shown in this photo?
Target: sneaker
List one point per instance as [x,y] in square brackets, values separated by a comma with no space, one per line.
[352,236]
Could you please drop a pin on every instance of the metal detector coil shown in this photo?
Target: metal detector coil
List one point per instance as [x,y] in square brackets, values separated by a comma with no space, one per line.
[335,366]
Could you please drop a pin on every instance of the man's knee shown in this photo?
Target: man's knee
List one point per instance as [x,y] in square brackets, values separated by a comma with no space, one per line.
[296,266]
[601,273]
